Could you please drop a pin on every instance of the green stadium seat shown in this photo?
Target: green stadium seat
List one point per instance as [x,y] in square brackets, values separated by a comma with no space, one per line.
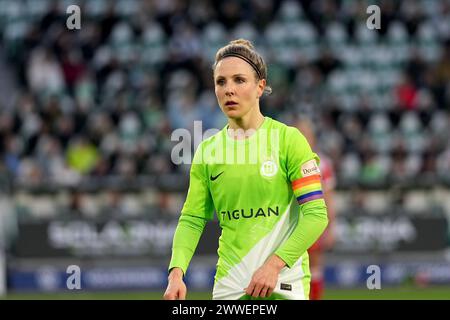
[379,127]
[96,8]
[153,44]
[290,11]
[350,168]
[213,37]
[428,42]
[411,130]
[127,9]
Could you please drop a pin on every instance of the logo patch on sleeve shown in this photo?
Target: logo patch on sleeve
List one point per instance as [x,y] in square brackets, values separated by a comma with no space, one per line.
[310,168]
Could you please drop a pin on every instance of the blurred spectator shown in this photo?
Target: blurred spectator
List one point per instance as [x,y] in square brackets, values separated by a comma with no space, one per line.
[412,15]
[262,13]
[406,93]
[416,69]
[50,158]
[64,130]
[117,206]
[76,205]
[128,80]
[429,166]
[443,164]
[51,17]
[182,113]
[44,72]
[81,155]
[108,22]
[73,68]
[51,112]
[441,19]
[29,173]
[327,63]
[185,44]
[397,199]
[126,167]
[229,13]
[442,74]
[388,10]
[102,168]
[373,171]
[400,172]
[11,154]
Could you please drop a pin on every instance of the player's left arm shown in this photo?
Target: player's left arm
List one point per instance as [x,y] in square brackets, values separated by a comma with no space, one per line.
[305,176]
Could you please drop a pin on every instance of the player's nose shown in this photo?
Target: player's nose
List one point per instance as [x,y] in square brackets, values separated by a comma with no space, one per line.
[229,90]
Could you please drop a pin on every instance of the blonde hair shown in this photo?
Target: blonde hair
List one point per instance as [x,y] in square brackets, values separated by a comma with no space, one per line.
[245,50]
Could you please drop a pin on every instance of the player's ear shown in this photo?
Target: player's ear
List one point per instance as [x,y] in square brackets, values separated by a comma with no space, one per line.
[261,86]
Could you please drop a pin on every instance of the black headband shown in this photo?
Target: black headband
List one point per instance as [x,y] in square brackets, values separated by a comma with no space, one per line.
[250,62]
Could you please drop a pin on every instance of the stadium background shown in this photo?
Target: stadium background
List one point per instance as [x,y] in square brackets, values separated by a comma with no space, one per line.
[86,117]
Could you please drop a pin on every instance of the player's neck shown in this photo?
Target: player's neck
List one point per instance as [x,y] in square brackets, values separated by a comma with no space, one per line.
[249,121]
[244,128]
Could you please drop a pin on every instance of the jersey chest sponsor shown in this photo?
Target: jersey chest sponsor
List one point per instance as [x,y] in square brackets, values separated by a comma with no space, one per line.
[252,213]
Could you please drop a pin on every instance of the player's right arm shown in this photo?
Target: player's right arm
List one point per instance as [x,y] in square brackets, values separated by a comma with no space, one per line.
[197,210]
[185,240]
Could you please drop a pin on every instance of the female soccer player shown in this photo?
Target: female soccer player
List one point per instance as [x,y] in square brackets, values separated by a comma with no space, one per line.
[248,173]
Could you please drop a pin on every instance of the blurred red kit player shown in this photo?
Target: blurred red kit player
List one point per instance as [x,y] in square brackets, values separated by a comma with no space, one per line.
[326,241]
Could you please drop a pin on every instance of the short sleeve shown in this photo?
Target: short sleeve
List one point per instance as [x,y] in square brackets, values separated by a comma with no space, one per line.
[198,201]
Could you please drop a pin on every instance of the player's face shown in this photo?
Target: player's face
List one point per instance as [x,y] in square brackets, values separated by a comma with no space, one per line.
[236,87]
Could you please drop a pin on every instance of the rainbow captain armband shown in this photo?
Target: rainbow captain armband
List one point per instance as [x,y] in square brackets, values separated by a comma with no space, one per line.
[307,188]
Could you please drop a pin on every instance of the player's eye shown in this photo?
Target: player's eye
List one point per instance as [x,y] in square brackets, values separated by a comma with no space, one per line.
[220,82]
[240,80]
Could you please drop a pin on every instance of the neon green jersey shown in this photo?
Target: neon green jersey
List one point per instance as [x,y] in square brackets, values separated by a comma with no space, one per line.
[251,184]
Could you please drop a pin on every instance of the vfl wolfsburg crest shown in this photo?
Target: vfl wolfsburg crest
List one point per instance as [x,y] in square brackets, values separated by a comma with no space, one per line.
[269,168]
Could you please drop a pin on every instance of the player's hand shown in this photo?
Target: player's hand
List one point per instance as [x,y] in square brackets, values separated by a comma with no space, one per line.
[176,289]
[265,278]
